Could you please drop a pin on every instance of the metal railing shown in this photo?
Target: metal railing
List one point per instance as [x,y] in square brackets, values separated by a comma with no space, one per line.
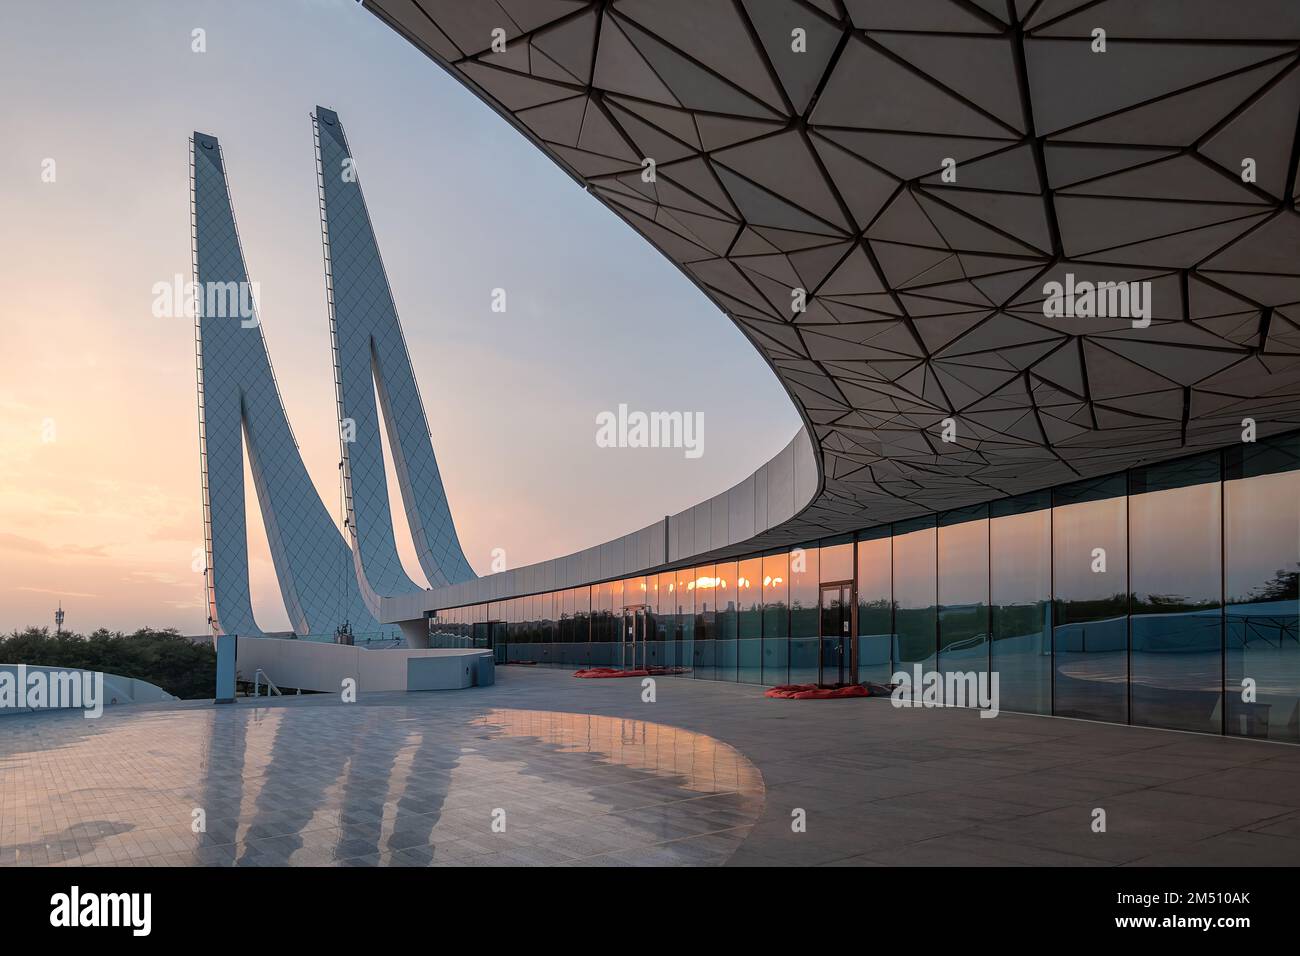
[259,676]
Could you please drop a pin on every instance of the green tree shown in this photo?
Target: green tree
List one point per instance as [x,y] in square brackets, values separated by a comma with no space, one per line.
[165,658]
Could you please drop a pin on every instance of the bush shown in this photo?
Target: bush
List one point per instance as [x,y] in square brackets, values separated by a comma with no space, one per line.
[165,658]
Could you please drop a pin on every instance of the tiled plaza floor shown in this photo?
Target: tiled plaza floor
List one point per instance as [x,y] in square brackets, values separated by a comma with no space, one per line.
[575,772]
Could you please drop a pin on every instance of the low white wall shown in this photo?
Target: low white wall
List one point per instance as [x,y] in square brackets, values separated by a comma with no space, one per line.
[117,689]
[314,666]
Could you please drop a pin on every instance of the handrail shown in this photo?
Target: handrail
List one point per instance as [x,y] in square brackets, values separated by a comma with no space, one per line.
[270,685]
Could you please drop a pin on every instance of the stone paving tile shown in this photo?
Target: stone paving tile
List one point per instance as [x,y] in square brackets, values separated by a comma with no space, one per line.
[589,775]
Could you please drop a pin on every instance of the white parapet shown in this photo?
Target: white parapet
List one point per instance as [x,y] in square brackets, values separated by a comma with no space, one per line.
[309,665]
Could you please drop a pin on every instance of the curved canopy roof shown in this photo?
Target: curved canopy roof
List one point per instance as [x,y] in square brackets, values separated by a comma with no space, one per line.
[922,170]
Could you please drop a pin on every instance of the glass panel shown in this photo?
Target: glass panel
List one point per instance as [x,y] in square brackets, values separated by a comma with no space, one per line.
[1261,531]
[705,611]
[635,592]
[776,619]
[546,626]
[582,626]
[665,633]
[805,630]
[652,620]
[1175,548]
[875,606]
[915,602]
[616,605]
[534,615]
[964,597]
[684,592]
[1020,545]
[523,649]
[725,634]
[564,633]
[600,626]
[749,601]
[836,561]
[1090,562]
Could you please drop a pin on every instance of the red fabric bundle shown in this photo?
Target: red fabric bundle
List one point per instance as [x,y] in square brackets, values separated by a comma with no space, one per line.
[813,692]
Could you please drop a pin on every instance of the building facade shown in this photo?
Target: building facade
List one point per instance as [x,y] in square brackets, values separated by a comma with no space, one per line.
[1164,596]
[1029,271]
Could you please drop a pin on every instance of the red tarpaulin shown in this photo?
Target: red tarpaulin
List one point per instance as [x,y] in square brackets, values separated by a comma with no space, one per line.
[813,692]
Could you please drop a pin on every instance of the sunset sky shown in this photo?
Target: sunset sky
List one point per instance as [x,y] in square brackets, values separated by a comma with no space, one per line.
[99,465]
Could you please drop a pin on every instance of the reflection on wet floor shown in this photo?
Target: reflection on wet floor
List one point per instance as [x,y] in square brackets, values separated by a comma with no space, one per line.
[344,785]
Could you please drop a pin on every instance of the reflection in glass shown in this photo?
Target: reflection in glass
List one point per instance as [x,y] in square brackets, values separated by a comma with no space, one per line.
[1020,549]
[838,641]
[704,585]
[582,624]
[1175,574]
[614,626]
[915,601]
[724,600]
[601,621]
[964,592]
[546,626]
[633,651]
[1143,625]
[875,606]
[564,621]
[749,602]
[805,642]
[1090,560]
[836,560]
[776,619]
[1261,541]
[665,630]
[684,593]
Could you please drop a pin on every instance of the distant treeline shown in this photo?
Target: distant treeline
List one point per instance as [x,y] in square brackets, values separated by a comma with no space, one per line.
[165,658]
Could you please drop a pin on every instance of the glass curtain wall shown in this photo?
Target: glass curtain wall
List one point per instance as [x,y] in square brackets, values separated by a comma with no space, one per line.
[1020,572]
[915,595]
[652,650]
[665,630]
[1090,563]
[582,624]
[1166,596]
[546,626]
[776,618]
[964,595]
[727,620]
[805,624]
[601,605]
[837,642]
[1176,582]
[749,604]
[875,606]
[1261,554]
[705,622]
[684,645]
[634,633]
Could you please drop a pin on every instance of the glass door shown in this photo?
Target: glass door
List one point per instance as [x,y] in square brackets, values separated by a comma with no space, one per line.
[633,644]
[837,663]
[496,640]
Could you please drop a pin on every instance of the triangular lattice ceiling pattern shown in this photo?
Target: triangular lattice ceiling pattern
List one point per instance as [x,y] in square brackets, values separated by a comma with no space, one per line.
[821,170]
